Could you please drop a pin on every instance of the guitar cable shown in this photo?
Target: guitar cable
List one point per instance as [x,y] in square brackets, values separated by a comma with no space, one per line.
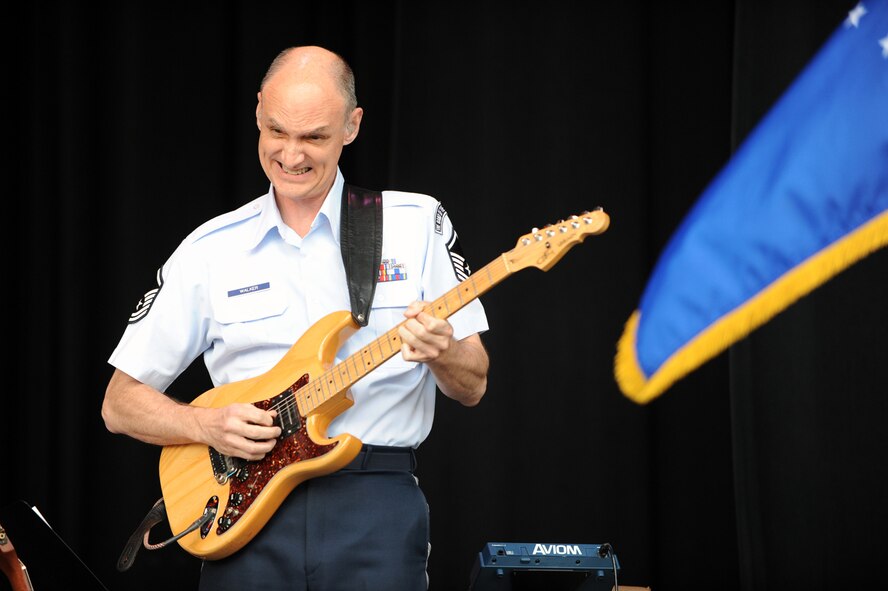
[604,551]
[139,538]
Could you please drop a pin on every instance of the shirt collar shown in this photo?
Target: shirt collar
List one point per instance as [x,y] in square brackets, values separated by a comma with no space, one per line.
[331,209]
[270,215]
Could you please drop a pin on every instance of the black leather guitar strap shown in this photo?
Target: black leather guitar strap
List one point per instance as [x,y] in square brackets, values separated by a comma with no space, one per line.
[360,235]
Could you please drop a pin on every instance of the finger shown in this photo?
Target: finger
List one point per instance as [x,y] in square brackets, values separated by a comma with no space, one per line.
[414,342]
[415,308]
[419,351]
[254,450]
[435,326]
[255,415]
[260,433]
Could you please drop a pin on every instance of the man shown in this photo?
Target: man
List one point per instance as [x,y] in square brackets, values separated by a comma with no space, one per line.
[245,286]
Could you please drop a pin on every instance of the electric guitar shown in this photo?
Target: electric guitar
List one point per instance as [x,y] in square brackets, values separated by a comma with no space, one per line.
[218,503]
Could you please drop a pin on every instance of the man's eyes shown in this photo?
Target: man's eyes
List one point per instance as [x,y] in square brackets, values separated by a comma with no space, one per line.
[312,137]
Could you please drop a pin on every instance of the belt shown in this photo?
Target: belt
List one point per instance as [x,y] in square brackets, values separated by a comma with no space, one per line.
[382,457]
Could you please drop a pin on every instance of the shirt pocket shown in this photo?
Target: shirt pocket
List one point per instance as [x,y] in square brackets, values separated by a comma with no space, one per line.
[247,314]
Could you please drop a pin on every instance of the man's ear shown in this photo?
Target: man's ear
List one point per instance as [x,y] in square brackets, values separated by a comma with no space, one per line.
[258,109]
[353,126]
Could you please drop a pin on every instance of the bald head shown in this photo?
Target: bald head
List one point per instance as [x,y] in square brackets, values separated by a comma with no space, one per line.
[312,63]
[306,113]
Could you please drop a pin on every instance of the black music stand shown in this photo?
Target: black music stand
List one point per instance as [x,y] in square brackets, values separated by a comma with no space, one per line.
[50,562]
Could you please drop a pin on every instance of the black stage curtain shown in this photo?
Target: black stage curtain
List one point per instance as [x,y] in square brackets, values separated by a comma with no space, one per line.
[134,122]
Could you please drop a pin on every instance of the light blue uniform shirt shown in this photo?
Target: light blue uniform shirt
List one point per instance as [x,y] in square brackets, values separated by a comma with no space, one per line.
[243,287]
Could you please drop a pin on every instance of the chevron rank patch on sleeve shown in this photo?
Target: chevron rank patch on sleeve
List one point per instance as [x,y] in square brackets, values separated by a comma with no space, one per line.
[460,265]
[144,304]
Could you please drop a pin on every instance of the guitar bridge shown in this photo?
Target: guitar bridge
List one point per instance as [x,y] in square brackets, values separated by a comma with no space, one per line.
[224,467]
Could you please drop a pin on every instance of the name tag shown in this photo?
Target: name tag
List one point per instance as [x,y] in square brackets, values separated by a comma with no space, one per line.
[250,289]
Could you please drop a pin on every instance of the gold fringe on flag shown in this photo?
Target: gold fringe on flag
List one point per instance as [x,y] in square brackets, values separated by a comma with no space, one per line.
[738,323]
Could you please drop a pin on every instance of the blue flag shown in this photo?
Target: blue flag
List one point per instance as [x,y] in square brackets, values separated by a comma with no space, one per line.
[804,197]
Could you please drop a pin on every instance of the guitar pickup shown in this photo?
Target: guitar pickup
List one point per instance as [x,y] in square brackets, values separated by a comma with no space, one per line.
[288,418]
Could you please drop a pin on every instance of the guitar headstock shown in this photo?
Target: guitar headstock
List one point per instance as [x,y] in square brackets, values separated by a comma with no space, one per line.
[543,247]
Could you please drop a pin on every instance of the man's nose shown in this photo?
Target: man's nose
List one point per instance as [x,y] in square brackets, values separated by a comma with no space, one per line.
[292,154]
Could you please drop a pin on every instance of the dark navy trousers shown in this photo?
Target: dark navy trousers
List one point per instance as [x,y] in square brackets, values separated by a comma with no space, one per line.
[358,529]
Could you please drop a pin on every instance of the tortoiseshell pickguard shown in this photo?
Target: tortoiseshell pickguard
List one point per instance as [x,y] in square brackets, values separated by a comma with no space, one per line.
[246,484]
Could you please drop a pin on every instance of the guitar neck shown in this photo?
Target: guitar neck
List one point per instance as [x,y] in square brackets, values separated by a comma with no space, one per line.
[345,374]
[542,248]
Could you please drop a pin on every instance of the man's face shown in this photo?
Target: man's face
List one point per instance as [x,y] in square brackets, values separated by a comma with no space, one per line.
[302,129]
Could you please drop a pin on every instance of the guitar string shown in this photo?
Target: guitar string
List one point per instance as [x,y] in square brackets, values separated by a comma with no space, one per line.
[292,400]
[319,384]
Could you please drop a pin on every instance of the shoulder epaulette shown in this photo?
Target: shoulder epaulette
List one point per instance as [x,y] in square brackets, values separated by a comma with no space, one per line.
[236,216]
[400,198]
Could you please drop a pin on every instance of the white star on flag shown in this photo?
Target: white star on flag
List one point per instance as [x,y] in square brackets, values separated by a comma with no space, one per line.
[855,15]
[884,43]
